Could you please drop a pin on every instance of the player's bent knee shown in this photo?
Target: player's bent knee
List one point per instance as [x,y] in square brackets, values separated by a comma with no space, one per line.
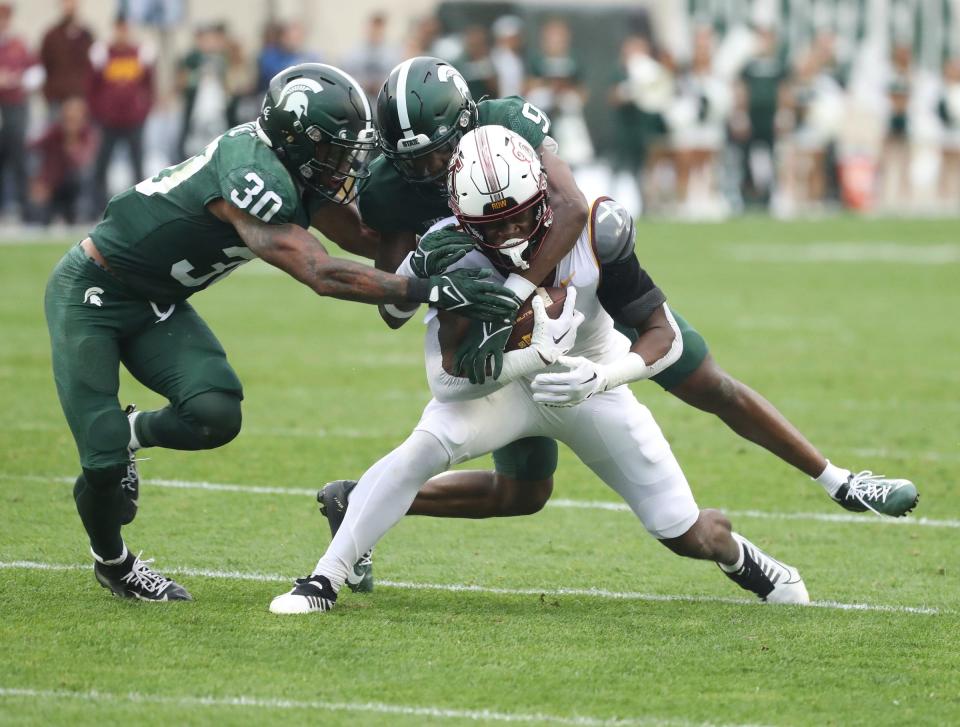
[105,440]
[215,417]
[527,497]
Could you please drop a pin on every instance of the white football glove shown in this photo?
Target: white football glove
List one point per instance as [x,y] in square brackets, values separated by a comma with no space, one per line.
[553,337]
[582,379]
[550,339]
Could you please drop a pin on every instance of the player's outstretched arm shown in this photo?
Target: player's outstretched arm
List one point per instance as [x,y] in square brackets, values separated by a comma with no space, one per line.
[300,254]
[433,255]
[394,248]
[570,214]
[342,224]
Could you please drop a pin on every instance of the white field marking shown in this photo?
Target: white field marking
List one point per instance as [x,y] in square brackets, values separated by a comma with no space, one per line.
[828,517]
[464,588]
[556,502]
[900,454]
[847,252]
[286,432]
[473,715]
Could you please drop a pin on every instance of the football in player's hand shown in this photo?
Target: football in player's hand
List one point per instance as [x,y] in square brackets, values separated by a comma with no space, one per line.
[553,299]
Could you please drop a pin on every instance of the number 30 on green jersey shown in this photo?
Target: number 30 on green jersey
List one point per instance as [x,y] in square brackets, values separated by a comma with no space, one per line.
[266,203]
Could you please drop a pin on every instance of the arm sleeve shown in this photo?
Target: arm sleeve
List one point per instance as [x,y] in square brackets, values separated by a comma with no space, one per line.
[443,386]
[675,351]
[628,293]
[394,311]
[405,269]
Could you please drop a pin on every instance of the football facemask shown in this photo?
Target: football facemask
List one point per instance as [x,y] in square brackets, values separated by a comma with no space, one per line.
[337,166]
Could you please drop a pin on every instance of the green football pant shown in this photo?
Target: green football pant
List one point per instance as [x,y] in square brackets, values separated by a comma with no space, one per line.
[95,324]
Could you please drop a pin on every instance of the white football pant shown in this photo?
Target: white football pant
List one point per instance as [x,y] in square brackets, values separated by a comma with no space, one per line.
[611,432]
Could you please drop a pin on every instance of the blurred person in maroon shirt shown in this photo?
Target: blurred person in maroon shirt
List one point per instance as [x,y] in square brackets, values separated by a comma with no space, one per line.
[65,156]
[65,53]
[16,62]
[121,94]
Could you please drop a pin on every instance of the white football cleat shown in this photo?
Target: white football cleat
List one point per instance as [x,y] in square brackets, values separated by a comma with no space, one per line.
[313,593]
[769,578]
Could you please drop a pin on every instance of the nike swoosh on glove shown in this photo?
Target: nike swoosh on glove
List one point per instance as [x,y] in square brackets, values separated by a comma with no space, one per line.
[582,379]
[554,337]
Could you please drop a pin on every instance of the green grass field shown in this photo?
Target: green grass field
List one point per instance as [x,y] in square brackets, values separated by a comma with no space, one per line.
[848,326]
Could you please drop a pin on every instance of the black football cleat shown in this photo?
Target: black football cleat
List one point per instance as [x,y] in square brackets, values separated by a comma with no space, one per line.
[135,579]
[333,500]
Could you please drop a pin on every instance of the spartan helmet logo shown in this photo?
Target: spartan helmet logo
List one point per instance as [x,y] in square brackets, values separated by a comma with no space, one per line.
[92,296]
[446,73]
[293,97]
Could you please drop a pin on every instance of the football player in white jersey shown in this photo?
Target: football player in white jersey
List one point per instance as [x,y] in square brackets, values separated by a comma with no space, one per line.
[569,384]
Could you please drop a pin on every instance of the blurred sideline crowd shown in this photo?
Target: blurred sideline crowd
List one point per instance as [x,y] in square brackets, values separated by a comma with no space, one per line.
[737,123]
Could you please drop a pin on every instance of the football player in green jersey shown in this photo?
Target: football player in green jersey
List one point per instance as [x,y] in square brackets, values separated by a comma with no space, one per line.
[422,111]
[120,296]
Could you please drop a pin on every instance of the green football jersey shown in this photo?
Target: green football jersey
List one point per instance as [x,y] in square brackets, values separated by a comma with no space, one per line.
[389,203]
[163,243]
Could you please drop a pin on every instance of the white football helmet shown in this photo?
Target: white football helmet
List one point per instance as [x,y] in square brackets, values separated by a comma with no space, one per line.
[494,175]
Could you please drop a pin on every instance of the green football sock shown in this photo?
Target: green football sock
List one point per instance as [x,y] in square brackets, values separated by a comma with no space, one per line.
[100,503]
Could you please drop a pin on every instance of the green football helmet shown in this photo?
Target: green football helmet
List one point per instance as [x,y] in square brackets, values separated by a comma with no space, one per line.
[422,111]
[317,120]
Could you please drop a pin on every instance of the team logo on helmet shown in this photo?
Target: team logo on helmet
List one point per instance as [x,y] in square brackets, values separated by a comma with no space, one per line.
[293,97]
[446,73]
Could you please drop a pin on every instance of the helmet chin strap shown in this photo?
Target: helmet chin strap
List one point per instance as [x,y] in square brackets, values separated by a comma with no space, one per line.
[513,250]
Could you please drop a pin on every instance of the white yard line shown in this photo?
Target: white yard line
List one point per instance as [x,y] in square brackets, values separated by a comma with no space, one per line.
[837,517]
[315,706]
[399,433]
[465,588]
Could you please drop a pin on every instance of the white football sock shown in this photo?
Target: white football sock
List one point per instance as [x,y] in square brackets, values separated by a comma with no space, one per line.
[134,444]
[833,478]
[111,561]
[378,502]
[739,564]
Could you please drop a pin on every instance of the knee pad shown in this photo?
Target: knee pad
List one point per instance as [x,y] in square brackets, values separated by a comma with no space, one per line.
[215,417]
[529,496]
[105,440]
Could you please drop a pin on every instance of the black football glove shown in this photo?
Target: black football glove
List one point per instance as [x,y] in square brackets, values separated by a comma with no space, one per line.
[484,342]
[438,250]
[468,294]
